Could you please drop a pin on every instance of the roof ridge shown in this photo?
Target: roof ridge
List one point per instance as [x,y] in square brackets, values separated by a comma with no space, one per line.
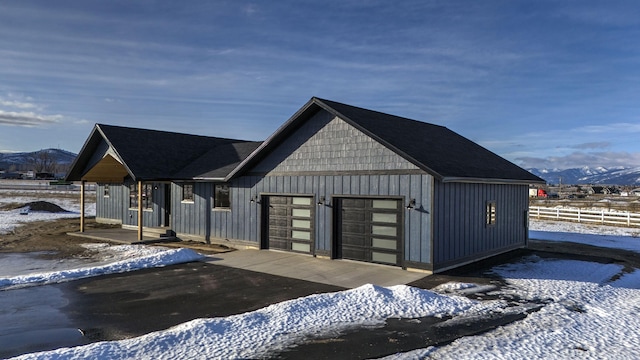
[170,132]
[328,103]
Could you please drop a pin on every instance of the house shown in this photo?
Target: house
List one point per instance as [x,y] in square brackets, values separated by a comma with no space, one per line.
[602,190]
[334,181]
[141,175]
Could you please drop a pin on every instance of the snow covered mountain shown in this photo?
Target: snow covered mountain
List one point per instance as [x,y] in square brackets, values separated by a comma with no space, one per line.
[22,160]
[587,175]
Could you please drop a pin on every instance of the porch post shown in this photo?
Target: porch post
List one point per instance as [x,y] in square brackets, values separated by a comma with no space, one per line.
[140,211]
[82,200]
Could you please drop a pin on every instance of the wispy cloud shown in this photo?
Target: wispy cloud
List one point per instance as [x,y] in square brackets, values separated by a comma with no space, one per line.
[592,145]
[18,101]
[27,119]
[17,104]
[623,127]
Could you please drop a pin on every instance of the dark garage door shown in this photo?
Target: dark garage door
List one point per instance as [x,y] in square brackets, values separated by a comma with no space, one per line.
[290,223]
[370,230]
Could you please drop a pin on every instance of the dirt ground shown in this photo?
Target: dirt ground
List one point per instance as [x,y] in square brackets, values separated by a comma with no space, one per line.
[49,236]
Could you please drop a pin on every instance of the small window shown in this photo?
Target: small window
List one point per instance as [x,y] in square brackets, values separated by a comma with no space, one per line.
[106,191]
[187,192]
[221,196]
[491,213]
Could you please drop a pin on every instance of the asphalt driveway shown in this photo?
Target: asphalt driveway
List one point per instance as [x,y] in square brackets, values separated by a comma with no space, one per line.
[119,306]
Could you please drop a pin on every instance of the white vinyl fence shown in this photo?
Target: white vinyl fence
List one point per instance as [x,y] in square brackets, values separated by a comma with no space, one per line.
[602,217]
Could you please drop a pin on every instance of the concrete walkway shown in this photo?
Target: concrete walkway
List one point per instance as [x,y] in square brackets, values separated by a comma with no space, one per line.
[343,273]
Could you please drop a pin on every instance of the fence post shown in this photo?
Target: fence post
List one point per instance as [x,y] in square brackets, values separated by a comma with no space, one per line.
[628,219]
[557,214]
[579,215]
[602,217]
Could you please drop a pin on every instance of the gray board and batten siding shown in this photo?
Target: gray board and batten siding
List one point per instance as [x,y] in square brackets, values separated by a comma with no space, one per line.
[461,233]
[114,207]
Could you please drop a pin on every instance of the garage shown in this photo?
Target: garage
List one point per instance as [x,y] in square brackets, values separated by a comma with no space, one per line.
[290,223]
[370,229]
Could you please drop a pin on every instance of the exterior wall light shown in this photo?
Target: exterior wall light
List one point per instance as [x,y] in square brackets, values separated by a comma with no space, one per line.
[412,204]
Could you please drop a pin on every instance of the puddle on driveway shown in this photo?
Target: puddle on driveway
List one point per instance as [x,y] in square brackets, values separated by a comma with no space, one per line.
[31,319]
[14,264]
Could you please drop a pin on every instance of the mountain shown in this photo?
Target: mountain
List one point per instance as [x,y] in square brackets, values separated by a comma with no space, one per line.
[25,160]
[587,175]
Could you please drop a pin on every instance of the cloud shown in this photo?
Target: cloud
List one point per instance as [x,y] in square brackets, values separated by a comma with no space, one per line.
[592,145]
[611,128]
[17,104]
[580,159]
[250,9]
[27,119]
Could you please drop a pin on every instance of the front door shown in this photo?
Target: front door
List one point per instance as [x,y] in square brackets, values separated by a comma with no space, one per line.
[166,221]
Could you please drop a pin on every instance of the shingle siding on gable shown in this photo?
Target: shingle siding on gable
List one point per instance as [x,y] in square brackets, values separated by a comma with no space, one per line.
[329,144]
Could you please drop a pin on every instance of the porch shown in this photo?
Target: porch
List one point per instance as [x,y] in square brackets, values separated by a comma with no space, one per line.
[127,236]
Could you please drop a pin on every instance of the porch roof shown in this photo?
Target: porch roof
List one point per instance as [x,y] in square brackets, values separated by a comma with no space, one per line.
[112,153]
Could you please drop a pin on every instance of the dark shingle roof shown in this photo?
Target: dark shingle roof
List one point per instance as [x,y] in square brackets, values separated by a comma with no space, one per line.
[162,155]
[436,149]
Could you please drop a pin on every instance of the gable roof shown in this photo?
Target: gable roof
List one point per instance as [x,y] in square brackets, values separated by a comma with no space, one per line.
[162,155]
[437,150]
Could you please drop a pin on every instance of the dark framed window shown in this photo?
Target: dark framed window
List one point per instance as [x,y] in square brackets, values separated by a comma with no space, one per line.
[133,196]
[187,192]
[147,196]
[491,213]
[221,196]
[106,190]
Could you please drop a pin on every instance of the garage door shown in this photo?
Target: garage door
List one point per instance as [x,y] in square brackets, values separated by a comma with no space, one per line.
[290,223]
[370,230]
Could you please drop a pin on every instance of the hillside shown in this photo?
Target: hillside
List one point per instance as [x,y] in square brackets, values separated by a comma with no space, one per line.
[588,175]
[25,160]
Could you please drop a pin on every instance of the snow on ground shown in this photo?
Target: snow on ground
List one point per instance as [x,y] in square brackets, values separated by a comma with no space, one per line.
[596,235]
[590,313]
[109,260]
[10,219]
[258,333]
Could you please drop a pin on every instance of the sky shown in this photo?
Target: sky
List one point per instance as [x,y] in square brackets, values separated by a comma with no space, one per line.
[545,84]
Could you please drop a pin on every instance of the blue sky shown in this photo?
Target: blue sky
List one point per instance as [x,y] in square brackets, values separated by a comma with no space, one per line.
[542,83]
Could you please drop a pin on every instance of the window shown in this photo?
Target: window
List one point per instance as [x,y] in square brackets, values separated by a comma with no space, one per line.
[491,213]
[147,196]
[133,196]
[187,192]
[221,197]
[106,191]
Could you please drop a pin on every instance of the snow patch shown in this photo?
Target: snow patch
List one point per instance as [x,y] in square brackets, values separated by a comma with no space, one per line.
[274,328]
[118,259]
